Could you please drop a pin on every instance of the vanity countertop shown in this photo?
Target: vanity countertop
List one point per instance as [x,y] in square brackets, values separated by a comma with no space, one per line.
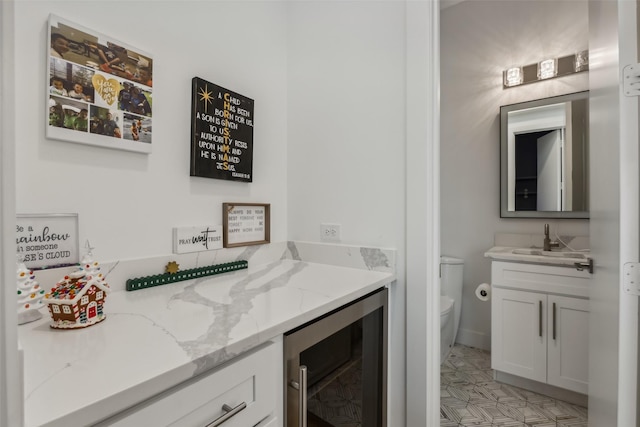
[537,256]
[155,338]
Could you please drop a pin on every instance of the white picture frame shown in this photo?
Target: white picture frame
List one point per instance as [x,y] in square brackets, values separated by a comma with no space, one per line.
[99,90]
[47,240]
[197,239]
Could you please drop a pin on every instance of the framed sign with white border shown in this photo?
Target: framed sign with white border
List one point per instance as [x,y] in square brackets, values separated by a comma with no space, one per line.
[47,240]
[197,239]
[99,89]
[246,224]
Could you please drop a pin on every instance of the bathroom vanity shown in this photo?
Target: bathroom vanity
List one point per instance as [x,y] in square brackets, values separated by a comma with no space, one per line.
[539,320]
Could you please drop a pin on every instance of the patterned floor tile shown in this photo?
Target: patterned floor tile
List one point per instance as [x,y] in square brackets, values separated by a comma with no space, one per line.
[515,403]
[470,397]
[476,377]
[455,377]
[473,416]
[444,422]
[574,423]
[562,411]
[494,413]
[478,398]
[508,423]
[451,413]
[512,412]
[458,393]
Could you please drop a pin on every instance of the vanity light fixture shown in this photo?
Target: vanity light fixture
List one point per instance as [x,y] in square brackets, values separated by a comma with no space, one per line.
[513,76]
[547,69]
[582,61]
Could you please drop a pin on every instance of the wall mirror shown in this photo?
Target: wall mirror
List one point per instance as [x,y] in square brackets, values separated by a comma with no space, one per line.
[544,158]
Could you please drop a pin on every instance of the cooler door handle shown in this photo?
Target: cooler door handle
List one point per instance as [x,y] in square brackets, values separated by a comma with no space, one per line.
[302,395]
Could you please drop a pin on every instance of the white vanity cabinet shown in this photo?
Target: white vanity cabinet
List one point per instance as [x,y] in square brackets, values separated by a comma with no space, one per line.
[539,323]
[243,393]
[568,343]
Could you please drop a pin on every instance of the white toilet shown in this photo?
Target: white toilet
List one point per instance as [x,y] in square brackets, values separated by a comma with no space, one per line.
[451,270]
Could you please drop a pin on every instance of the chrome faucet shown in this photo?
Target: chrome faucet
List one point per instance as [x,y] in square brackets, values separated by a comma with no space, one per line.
[548,244]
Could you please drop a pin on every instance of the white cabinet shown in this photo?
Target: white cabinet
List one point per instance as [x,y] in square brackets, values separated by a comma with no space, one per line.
[240,394]
[518,340]
[536,334]
[568,343]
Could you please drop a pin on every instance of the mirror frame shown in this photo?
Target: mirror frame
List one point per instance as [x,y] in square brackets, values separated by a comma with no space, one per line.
[504,110]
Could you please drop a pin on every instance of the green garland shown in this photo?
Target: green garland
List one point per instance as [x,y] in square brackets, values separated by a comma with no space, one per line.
[193,273]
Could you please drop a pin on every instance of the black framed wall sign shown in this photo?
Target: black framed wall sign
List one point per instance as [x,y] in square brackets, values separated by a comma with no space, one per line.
[221,133]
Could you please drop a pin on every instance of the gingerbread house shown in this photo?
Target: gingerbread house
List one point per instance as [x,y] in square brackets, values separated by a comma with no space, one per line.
[77,301]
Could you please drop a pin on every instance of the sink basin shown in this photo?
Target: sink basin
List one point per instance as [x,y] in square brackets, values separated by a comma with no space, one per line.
[540,252]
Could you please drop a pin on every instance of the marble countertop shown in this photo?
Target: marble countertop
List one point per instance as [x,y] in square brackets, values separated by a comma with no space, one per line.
[559,258]
[155,338]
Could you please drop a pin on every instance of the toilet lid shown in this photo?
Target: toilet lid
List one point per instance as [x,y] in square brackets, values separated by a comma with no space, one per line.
[446,304]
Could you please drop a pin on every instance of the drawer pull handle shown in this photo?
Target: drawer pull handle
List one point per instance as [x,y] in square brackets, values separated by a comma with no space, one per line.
[230,412]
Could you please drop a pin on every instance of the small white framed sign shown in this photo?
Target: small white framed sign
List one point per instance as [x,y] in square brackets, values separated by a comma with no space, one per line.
[47,240]
[197,239]
[246,224]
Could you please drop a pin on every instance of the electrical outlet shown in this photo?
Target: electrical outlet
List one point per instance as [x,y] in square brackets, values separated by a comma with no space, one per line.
[330,232]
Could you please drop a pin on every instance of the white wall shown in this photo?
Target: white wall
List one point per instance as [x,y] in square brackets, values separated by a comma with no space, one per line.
[346,138]
[479,39]
[129,202]
[11,390]
[346,120]
[328,80]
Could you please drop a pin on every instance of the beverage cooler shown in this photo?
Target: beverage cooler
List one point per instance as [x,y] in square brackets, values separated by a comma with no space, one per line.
[336,367]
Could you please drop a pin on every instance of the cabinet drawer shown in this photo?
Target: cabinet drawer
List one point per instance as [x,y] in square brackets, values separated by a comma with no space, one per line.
[271,422]
[541,278]
[252,380]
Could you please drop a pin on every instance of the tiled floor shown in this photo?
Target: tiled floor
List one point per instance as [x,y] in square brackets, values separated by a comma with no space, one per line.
[470,397]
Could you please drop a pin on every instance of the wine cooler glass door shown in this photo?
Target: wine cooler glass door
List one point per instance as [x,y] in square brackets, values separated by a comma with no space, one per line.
[336,367]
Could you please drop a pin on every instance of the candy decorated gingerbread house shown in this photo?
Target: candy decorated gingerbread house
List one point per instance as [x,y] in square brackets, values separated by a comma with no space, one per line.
[77,301]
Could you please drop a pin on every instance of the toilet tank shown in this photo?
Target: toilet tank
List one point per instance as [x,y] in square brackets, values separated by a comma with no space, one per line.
[451,273]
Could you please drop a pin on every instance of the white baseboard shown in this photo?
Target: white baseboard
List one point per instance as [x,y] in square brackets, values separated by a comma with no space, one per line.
[540,388]
[474,339]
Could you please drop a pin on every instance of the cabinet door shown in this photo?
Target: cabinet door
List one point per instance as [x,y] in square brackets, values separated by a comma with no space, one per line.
[518,333]
[568,343]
